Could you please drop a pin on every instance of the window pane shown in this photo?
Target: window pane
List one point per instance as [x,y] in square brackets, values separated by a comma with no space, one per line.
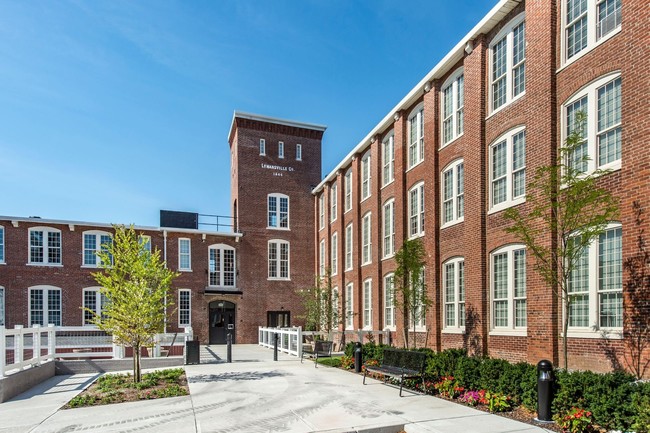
[460,97]
[578,158]
[273,216]
[54,247]
[2,246]
[609,16]
[36,307]
[609,116]
[499,171]
[90,302]
[54,307]
[284,212]
[499,68]
[518,57]
[36,246]
[228,268]
[460,190]
[90,246]
[610,278]
[518,164]
[577,26]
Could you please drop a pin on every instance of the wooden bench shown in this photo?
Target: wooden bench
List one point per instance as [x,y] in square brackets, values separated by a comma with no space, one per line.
[399,363]
[321,349]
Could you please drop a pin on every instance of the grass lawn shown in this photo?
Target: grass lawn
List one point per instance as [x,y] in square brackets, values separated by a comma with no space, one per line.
[118,388]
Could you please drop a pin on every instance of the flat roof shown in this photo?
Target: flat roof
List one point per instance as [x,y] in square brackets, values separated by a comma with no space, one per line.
[276,120]
[107,225]
[489,21]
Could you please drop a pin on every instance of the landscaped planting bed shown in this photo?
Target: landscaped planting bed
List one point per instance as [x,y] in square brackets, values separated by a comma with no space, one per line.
[583,401]
[118,388]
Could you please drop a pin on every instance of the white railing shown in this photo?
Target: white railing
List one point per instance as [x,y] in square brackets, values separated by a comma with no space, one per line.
[289,339]
[21,348]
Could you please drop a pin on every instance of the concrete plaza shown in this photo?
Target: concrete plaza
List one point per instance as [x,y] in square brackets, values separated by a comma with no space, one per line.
[254,394]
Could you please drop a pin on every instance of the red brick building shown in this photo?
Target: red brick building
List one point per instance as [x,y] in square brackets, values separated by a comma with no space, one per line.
[455,152]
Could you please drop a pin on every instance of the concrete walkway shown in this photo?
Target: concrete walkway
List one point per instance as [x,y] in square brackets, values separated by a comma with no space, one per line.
[254,394]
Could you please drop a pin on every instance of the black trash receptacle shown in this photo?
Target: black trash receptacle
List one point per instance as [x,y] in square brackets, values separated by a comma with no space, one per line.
[192,352]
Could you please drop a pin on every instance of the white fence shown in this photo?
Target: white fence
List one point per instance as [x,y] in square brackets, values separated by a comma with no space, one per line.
[21,348]
[289,339]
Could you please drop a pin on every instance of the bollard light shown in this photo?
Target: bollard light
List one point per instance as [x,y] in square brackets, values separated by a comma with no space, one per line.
[358,357]
[544,391]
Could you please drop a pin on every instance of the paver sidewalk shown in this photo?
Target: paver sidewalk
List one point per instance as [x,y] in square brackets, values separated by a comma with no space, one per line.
[256,394]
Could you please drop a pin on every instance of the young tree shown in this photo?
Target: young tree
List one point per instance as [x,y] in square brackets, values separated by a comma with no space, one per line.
[321,305]
[136,285]
[567,211]
[409,291]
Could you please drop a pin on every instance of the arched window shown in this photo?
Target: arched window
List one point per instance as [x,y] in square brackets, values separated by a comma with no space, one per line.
[221,272]
[44,246]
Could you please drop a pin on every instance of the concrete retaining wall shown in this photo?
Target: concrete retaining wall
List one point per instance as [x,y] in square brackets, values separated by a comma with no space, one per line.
[14,384]
[104,365]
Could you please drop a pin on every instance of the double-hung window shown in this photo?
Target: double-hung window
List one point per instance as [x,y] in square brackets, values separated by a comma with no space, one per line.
[416,137]
[321,258]
[348,248]
[184,308]
[388,159]
[366,239]
[419,292]
[508,288]
[298,152]
[365,176]
[347,189]
[278,211]
[416,210]
[184,254]
[508,170]
[44,246]
[389,228]
[367,304]
[596,284]
[389,301]
[349,306]
[333,201]
[453,274]
[2,244]
[600,133]
[262,147]
[453,193]
[321,211]
[94,242]
[335,253]
[2,306]
[508,64]
[278,260]
[44,305]
[281,149]
[453,107]
[95,302]
[587,23]
[221,266]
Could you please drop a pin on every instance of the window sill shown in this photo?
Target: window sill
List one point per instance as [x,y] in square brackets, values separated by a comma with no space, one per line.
[390,256]
[601,334]
[418,329]
[284,229]
[450,142]
[415,236]
[366,264]
[46,265]
[453,331]
[90,266]
[507,204]
[349,270]
[278,279]
[365,198]
[452,223]
[508,103]
[587,50]
[185,270]
[509,333]
[346,211]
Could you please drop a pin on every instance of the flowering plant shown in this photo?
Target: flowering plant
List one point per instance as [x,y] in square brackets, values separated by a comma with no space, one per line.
[497,402]
[473,398]
[576,420]
[448,387]
[347,362]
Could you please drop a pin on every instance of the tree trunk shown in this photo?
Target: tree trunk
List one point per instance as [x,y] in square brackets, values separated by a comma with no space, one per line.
[565,345]
[136,364]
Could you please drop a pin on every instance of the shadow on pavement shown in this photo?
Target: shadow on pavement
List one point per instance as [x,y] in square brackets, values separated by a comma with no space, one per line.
[236,376]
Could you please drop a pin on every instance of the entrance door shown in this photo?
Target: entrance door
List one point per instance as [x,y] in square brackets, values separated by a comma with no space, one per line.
[222,321]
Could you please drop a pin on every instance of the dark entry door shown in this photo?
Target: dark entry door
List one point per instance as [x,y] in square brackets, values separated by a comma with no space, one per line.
[222,321]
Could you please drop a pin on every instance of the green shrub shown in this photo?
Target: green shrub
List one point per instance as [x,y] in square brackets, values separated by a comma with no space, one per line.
[82,400]
[641,404]
[444,363]
[331,362]
[497,402]
[491,370]
[467,372]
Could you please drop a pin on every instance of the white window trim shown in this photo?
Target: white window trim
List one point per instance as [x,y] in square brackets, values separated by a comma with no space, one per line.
[349,252]
[321,258]
[45,247]
[389,296]
[298,152]
[391,204]
[46,289]
[594,330]
[262,147]
[456,328]
[366,219]
[281,149]
[278,243]
[418,112]
[321,211]
[349,306]
[367,296]
[507,32]
[509,202]
[278,196]
[421,324]
[98,303]
[419,188]
[221,248]
[592,36]
[189,254]
[366,163]
[334,254]
[510,329]
[3,309]
[188,324]
[334,190]
[3,258]
[453,167]
[591,91]
[347,189]
[389,141]
[453,82]
[98,234]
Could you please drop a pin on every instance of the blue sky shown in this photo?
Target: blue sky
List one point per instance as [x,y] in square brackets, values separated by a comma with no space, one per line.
[113,110]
